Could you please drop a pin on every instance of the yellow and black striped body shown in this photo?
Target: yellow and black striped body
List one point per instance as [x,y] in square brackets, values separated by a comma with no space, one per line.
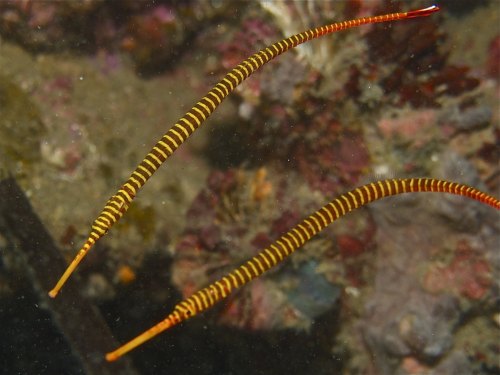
[309,227]
[197,115]
[295,238]
[118,204]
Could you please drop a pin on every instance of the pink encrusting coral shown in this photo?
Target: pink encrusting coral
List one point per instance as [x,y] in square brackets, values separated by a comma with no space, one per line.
[252,35]
[468,274]
[406,127]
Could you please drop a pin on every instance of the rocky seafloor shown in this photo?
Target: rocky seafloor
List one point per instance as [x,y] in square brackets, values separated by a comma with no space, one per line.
[407,285]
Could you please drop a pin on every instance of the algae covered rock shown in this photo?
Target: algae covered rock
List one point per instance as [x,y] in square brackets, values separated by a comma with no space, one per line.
[21,128]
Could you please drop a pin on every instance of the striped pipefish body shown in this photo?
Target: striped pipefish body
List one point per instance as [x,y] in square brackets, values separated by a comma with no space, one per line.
[295,238]
[118,204]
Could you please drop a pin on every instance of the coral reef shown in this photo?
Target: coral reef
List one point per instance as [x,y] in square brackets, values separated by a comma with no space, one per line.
[409,323]
[313,124]
[151,32]
[236,215]
[409,64]
[416,102]
[406,286]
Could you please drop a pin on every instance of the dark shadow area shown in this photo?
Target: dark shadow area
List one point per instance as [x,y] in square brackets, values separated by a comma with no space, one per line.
[228,147]
[199,346]
[462,7]
[31,342]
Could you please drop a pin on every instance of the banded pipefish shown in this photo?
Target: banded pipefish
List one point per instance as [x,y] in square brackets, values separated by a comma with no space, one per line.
[294,239]
[119,203]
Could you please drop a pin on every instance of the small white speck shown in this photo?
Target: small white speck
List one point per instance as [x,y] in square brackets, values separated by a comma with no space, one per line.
[352,291]
[81,78]
[381,170]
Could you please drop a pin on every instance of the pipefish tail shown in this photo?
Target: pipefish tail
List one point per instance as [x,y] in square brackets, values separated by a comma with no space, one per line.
[292,240]
[119,203]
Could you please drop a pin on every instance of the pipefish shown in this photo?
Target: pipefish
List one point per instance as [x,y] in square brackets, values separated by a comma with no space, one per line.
[292,240]
[119,203]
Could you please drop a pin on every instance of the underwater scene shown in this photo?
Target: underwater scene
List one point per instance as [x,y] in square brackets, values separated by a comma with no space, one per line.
[94,97]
